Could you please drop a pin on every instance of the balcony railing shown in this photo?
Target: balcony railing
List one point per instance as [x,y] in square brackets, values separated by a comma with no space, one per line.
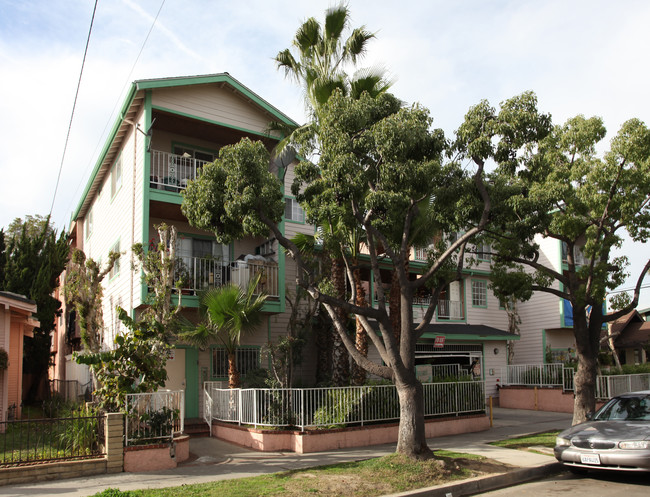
[198,274]
[172,172]
[450,309]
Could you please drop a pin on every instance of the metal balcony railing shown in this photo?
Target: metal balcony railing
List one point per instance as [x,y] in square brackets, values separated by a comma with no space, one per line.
[197,274]
[172,172]
[450,309]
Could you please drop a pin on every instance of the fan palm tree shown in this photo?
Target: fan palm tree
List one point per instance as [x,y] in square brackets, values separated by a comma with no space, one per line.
[228,313]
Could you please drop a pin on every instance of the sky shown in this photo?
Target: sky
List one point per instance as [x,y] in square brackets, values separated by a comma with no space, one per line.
[580,57]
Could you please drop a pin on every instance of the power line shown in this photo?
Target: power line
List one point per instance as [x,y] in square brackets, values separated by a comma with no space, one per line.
[119,98]
[74,106]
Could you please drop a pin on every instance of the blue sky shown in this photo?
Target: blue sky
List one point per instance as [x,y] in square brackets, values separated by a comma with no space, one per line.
[580,57]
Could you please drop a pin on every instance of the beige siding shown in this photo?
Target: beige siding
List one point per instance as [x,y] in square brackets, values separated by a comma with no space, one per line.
[491,315]
[493,365]
[541,312]
[214,104]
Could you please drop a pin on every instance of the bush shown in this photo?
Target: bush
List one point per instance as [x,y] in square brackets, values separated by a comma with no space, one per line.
[114,492]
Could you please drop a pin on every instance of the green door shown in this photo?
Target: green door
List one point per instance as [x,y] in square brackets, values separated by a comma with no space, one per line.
[192,383]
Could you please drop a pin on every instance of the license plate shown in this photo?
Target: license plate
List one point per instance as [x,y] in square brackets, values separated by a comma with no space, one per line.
[589,458]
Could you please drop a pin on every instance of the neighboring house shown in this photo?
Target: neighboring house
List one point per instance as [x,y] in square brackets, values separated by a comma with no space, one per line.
[16,323]
[645,313]
[631,336]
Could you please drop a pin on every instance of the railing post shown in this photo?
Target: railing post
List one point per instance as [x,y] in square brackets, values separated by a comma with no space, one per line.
[239,406]
[114,439]
[361,402]
[255,407]
[302,409]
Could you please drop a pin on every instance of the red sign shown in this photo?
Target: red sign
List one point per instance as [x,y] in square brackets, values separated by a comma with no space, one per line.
[439,342]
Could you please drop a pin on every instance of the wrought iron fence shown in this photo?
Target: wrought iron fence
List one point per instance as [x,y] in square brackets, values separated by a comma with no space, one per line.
[318,407]
[156,416]
[78,436]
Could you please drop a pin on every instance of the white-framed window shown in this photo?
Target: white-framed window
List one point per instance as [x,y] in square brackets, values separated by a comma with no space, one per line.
[484,252]
[115,270]
[246,359]
[293,211]
[88,223]
[479,293]
[116,176]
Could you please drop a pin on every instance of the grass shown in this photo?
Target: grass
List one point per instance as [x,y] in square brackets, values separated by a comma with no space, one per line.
[546,439]
[372,477]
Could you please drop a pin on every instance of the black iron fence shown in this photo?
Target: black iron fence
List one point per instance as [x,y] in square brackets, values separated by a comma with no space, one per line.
[79,436]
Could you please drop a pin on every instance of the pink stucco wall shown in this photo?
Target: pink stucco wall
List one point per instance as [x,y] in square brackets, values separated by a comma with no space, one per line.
[322,440]
[155,457]
[537,399]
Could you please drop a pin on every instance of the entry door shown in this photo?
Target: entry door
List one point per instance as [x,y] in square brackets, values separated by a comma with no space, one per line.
[176,370]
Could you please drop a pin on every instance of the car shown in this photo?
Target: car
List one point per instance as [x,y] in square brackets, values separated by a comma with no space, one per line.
[616,437]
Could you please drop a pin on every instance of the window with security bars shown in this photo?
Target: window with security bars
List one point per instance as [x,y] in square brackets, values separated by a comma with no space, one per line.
[245,359]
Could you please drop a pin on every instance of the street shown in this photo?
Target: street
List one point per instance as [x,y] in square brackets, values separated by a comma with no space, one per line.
[608,484]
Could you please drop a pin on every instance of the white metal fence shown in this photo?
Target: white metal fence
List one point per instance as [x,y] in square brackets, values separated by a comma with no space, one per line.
[542,375]
[154,416]
[172,172]
[307,407]
[612,385]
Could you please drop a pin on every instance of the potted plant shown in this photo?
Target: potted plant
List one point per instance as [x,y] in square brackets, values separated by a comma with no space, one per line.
[4,359]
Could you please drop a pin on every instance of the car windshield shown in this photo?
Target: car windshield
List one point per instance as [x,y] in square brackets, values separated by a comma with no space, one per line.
[633,408]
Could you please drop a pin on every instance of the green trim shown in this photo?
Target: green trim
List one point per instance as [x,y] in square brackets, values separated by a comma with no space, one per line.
[268,332]
[165,196]
[107,145]
[218,123]
[472,293]
[146,193]
[544,346]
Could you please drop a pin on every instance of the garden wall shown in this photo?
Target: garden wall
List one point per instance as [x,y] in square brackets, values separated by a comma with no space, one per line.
[537,399]
[155,457]
[358,436]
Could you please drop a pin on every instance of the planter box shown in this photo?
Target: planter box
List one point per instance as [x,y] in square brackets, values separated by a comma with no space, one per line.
[323,440]
[153,457]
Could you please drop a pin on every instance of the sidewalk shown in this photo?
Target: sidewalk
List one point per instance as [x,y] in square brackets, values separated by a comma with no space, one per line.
[217,460]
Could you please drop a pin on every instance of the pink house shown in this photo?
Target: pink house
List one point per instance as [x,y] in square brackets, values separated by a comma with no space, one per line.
[16,322]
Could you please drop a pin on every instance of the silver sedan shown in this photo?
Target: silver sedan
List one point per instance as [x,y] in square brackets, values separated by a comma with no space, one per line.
[616,437]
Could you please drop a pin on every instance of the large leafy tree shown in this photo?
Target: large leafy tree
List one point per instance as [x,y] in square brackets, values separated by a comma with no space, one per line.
[382,166]
[586,202]
[229,312]
[32,256]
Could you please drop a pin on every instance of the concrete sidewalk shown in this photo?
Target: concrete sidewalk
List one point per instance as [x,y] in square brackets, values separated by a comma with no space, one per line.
[214,460]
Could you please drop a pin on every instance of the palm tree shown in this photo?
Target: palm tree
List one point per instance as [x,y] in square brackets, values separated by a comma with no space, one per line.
[228,313]
[319,66]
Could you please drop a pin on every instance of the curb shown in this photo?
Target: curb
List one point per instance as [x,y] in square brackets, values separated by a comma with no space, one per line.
[482,484]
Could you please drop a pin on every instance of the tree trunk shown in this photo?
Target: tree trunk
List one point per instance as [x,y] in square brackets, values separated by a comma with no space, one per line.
[361,338]
[234,379]
[340,356]
[411,439]
[587,343]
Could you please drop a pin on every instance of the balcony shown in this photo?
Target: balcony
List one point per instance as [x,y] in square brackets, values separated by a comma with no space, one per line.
[172,172]
[199,274]
[447,309]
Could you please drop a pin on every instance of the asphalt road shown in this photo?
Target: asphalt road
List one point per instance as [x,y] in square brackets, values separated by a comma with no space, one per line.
[609,484]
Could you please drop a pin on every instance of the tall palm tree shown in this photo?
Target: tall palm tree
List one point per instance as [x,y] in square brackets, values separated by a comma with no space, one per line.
[228,313]
[319,66]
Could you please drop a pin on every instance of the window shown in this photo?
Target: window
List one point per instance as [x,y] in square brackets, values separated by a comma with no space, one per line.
[246,359]
[484,252]
[115,270]
[293,211]
[88,223]
[116,176]
[479,293]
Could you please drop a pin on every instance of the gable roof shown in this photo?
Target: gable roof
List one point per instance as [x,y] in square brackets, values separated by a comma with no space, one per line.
[132,105]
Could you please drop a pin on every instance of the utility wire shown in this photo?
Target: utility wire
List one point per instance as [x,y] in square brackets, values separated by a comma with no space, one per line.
[74,106]
[119,98]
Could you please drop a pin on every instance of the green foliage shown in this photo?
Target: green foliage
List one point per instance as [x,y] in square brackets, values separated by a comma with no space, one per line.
[4,359]
[32,257]
[630,369]
[234,193]
[80,434]
[114,492]
[153,424]
[83,291]
[137,364]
